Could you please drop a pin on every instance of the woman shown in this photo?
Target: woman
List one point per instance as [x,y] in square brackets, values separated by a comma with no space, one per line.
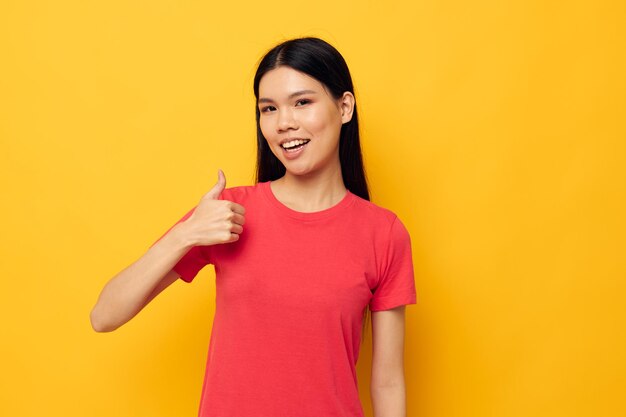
[299,257]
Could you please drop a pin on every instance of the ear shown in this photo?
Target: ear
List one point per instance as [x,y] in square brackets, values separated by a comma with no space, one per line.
[346,105]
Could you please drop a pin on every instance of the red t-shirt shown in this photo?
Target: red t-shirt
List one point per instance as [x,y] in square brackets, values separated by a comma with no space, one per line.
[289,303]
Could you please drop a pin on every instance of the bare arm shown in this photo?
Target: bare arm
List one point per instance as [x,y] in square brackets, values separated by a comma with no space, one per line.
[128,292]
[212,222]
[387,389]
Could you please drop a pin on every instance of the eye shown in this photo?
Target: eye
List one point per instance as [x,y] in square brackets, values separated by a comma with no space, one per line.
[304,101]
[266,109]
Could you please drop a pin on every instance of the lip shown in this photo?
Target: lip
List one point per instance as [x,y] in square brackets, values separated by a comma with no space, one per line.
[289,140]
[294,154]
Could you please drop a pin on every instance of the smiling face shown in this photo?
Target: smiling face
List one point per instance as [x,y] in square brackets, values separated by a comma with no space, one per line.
[295,106]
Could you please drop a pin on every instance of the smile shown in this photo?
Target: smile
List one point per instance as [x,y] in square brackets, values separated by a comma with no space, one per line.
[295,148]
[294,144]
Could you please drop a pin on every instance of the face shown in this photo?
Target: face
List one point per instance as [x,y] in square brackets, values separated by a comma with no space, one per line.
[295,106]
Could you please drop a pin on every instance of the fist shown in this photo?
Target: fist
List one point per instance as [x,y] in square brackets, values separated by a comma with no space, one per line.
[215,221]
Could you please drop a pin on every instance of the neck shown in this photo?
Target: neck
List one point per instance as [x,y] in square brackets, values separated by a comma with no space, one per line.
[310,193]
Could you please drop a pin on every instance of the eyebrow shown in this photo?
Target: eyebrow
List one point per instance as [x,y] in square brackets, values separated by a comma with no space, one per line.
[292,95]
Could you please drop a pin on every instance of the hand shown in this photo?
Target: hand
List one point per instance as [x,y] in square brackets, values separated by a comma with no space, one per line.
[215,221]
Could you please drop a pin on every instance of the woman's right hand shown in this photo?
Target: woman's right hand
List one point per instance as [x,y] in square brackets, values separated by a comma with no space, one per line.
[212,221]
[215,221]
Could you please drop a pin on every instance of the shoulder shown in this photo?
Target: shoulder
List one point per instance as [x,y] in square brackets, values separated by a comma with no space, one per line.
[240,192]
[381,223]
[374,213]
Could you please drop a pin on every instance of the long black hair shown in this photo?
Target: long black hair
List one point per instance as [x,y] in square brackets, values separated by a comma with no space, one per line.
[320,60]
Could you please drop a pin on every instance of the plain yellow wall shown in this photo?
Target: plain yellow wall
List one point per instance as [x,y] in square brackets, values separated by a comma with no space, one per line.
[495,130]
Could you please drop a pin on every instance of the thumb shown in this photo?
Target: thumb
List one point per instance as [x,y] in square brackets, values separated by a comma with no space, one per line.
[217,189]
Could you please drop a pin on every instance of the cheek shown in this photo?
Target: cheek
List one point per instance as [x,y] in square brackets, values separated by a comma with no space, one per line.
[321,121]
[264,125]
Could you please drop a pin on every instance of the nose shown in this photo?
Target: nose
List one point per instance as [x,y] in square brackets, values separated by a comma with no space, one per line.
[286,120]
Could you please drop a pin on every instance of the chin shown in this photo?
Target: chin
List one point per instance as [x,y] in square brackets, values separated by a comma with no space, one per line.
[296,170]
[304,173]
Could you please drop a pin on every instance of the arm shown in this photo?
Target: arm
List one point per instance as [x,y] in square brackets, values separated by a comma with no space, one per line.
[387,388]
[128,292]
[211,222]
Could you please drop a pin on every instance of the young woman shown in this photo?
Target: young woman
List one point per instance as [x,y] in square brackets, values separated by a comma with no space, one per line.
[299,257]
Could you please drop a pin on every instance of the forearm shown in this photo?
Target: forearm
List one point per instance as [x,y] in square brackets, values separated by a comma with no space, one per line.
[389,401]
[127,292]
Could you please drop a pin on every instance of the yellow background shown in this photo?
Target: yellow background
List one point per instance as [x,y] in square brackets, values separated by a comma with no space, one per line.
[494,129]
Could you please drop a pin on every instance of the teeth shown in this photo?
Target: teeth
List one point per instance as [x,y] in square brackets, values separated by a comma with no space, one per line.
[294,143]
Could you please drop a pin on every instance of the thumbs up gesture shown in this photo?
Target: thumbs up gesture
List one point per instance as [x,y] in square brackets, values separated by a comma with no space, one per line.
[215,221]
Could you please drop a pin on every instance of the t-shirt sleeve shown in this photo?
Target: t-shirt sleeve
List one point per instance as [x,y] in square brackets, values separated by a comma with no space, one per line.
[194,260]
[396,285]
